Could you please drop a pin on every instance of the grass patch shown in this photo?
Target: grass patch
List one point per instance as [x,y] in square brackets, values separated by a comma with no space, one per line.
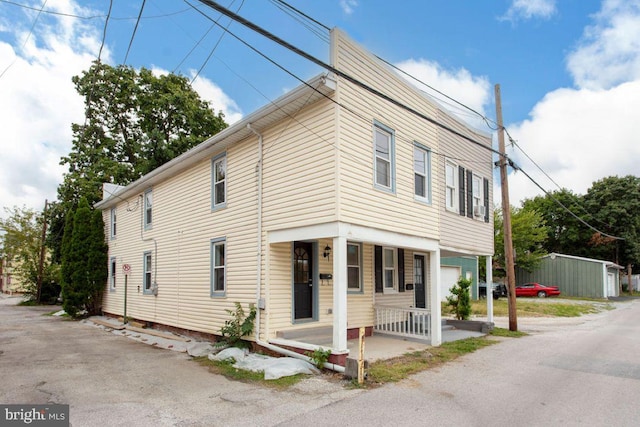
[28,303]
[528,307]
[502,332]
[226,369]
[398,368]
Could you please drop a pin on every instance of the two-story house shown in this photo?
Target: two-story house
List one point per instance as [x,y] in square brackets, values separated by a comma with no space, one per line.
[330,208]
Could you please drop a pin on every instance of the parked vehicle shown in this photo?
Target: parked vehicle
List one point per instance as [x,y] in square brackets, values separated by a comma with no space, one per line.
[536,289]
[499,290]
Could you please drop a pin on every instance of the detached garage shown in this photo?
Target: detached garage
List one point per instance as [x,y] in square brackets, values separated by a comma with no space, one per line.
[575,276]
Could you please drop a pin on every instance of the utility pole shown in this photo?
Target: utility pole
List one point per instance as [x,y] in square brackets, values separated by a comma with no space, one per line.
[42,252]
[506,216]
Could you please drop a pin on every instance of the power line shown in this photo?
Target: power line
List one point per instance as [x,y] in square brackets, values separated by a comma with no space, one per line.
[295,14]
[33,25]
[552,197]
[339,73]
[193,79]
[135,29]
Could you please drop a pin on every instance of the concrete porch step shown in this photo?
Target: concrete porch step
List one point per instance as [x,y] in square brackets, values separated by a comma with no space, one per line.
[322,335]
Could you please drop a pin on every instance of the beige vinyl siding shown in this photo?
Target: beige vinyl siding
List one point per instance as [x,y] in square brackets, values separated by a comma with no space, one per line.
[469,234]
[400,299]
[299,169]
[360,201]
[183,226]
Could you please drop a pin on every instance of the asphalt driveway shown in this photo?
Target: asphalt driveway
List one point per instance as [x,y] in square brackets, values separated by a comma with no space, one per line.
[113,381]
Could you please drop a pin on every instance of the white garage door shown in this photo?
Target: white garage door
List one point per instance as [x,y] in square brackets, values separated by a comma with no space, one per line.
[449,276]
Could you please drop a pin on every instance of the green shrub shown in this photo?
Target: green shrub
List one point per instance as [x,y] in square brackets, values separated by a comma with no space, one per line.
[238,326]
[459,300]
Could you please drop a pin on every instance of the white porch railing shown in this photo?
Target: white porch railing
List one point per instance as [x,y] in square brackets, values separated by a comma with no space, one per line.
[405,322]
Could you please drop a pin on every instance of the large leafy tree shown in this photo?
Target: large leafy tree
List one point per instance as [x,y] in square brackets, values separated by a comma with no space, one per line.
[566,234]
[21,242]
[529,233]
[135,121]
[84,261]
[615,203]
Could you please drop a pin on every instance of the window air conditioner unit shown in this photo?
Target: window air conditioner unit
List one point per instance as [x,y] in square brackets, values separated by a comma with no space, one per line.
[479,210]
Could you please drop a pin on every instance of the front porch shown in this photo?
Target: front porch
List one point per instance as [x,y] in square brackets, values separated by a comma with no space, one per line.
[378,346]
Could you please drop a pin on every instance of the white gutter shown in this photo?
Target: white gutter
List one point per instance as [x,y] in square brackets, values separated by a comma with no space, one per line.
[283,351]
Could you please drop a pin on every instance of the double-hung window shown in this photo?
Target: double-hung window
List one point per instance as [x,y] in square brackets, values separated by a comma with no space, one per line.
[112,274]
[218,267]
[384,168]
[147,264]
[113,223]
[219,181]
[422,173]
[354,270]
[389,269]
[478,197]
[451,186]
[148,209]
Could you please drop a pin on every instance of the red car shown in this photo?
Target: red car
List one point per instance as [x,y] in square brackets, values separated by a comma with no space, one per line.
[536,289]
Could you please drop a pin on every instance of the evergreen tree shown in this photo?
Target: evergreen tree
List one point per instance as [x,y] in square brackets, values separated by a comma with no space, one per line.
[84,261]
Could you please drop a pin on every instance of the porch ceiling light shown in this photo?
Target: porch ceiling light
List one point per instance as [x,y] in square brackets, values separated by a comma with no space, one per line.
[327,251]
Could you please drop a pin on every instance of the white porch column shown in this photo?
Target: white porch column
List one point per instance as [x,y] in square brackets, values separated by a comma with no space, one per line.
[339,253]
[435,297]
[489,278]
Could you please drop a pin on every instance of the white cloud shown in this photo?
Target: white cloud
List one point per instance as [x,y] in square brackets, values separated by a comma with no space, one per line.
[608,53]
[581,135]
[219,100]
[529,9]
[348,6]
[578,137]
[461,85]
[39,103]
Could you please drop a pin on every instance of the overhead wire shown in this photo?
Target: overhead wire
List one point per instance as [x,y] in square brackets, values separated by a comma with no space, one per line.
[26,39]
[135,30]
[381,95]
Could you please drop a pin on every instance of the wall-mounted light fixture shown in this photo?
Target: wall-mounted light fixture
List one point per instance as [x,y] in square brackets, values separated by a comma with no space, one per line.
[327,251]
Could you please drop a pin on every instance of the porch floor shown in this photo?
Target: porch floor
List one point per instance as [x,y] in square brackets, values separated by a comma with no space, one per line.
[380,346]
[383,346]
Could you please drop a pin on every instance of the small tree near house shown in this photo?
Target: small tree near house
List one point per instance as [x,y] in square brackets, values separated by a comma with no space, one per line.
[459,300]
[84,261]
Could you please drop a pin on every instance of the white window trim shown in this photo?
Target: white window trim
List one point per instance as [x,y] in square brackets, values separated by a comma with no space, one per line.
[426,173]
[391,188]
[360,288]
[113,273]
[147,285]
[219,158]
[456,187]
[113,223]
[148,224]
[480,197]
[385,289]
[222,241]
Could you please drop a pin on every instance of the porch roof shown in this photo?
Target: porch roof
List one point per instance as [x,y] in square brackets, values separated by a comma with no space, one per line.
[352,232]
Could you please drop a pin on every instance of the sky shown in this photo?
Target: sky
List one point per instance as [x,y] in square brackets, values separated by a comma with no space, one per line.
[568,70]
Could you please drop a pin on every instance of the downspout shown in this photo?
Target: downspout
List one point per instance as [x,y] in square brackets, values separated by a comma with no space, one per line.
[265,344]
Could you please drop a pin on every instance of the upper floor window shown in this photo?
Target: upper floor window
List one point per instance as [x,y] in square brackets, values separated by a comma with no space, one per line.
[451,186]
[219,181]
[384,168]
[478,197]
[422,173]
[354,276]
[147,279]
[113,223]
[218,267]
[148,208]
